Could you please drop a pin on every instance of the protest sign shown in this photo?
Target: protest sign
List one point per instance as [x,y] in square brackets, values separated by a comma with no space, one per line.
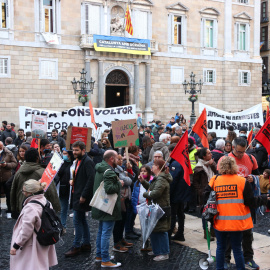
[51,170]
[77,116]
[39,126]
[218,120]
[75,134]
[125,133]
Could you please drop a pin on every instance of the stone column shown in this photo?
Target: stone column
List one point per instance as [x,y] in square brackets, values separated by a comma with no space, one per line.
[100,85]
[148,113]
[87,69]
[137,86]
[257,17]
[228,29]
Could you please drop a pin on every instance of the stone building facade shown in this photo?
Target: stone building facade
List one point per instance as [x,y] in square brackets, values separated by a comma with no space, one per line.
[219,40]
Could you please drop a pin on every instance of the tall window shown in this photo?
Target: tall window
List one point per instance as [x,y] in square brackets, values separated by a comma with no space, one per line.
[243,1]
[48,16]
[3,67]
[209,31]
[264,38]
[264,12]
[140,24]
[3,14]
[177,30]
[92,19]
[241,37]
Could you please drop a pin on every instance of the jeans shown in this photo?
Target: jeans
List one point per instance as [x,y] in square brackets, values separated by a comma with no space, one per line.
[236,240]
[64,210]
[105,229]
[160,243]
[81,229]
[246,245]
[177,209]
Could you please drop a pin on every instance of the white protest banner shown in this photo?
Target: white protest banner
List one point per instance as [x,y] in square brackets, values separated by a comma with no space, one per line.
[51,170]
[39,126]
[218,120]
[78,116]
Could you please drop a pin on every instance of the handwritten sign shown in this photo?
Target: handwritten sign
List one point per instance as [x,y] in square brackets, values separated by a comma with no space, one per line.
[125,133]
[75,134]
[51,170]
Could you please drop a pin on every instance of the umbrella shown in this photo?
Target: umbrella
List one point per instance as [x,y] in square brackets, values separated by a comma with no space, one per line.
[149,216]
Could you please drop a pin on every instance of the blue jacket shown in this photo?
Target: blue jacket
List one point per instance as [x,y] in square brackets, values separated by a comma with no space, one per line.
[179,190]
[136,193]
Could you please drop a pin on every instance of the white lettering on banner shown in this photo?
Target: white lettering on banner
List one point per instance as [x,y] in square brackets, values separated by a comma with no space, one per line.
[218,120]
[77,116]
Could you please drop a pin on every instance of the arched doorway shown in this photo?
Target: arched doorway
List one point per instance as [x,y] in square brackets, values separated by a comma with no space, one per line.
[117,89]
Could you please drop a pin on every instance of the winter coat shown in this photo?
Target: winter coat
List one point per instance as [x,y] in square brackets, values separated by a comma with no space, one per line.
[159,146]
[32,256]
[261,156]
[83,183]
[97,153]
[160,194]
[112,185]
[212,144]
[11,163]
[59,140]
[136,193]
[18,141]
[200,181]
[64,177]
[179,189]
[30,170]
[145,154]
[135,169]
[13,148]
[125,190]
[217,154]
[8,133]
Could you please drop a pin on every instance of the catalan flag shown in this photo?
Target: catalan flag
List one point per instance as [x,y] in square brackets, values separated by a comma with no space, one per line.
[129,27]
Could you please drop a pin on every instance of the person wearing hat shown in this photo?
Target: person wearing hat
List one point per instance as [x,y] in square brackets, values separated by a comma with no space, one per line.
[64,175]
[243,132]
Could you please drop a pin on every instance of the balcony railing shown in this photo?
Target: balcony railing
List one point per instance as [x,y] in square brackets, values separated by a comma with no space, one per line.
[87,42]
[264,20]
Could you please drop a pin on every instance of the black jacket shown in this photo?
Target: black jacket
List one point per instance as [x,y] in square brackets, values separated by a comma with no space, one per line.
[83,184]
[261,156]
[64,177]
[97,153]
[217,154]
[212,144]
[18,141]
[8,133]
[179,189]
[145,154]
[59,140]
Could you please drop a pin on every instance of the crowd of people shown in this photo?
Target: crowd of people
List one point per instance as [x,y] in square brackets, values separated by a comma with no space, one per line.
[146,174]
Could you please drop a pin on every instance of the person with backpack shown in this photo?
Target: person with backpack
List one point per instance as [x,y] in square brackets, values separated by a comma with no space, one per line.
[26,251]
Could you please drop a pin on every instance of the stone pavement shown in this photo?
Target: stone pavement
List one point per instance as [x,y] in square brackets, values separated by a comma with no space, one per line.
[184,256]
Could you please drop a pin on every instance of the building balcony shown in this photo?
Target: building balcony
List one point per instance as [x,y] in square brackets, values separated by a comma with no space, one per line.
[264,20]
[87,42]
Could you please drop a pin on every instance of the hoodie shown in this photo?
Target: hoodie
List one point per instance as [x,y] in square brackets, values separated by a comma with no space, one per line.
[13,149]
[30,170]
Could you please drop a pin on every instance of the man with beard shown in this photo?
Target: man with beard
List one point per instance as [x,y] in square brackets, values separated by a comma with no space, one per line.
[82,183]
[105,172]
[8,132]
[58,139]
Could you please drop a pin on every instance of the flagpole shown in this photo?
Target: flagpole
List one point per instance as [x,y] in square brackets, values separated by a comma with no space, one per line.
[163,165]
[249,145]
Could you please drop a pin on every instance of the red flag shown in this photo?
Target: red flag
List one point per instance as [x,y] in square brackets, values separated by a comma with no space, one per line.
[129,27]
[92,114]
[267,113]
[34,143]
[263,136]
[200,128]
[181,155]
[249,138]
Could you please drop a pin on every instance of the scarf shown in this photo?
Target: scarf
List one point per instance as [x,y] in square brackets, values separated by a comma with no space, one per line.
[132,157]
[206,168]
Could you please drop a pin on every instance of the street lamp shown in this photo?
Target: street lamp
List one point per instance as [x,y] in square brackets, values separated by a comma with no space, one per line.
[86,87]
[193,97]
[266,91]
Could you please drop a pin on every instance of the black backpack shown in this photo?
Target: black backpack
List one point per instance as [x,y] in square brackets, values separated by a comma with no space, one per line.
[51,227]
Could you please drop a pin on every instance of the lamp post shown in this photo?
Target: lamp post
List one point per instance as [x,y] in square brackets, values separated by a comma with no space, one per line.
[266,91]
[86,87]
[192,91]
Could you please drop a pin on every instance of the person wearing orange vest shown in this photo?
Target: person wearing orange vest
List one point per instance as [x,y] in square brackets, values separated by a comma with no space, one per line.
[234,197]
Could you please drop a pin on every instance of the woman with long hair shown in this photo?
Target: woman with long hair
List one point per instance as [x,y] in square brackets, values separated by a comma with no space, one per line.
[147,146]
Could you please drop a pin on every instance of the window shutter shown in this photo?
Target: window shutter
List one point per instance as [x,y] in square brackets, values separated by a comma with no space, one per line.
[214,76]
[249,78]
[184,30]
[236,36]
[170,28]
[1,66]
[87,19]
[134,20]
[7,14]
[205,75]
[247,37]
[240,77]
[93,19]
[143,24]
[203,36]
[215,33]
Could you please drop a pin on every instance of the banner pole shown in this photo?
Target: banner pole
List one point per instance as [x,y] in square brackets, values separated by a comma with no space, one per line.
[249,145]
[163,165]
[126,150]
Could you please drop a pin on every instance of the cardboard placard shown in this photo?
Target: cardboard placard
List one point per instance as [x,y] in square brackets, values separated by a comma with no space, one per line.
[51,170]
[39,126]
[75,134]
[125,133]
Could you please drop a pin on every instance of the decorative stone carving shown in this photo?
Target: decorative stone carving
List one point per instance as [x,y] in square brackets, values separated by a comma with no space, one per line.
[117,77]
[117,21]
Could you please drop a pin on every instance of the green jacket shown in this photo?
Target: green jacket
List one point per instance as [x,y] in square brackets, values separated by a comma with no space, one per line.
[160,194]
[111,185]
[30,170]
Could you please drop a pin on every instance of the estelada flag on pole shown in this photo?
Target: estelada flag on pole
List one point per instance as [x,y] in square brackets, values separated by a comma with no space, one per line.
[200,128]
[263,136]
[34,143]
[92,114]
[181,155]
[267,113]
[129,27]
[249,138]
